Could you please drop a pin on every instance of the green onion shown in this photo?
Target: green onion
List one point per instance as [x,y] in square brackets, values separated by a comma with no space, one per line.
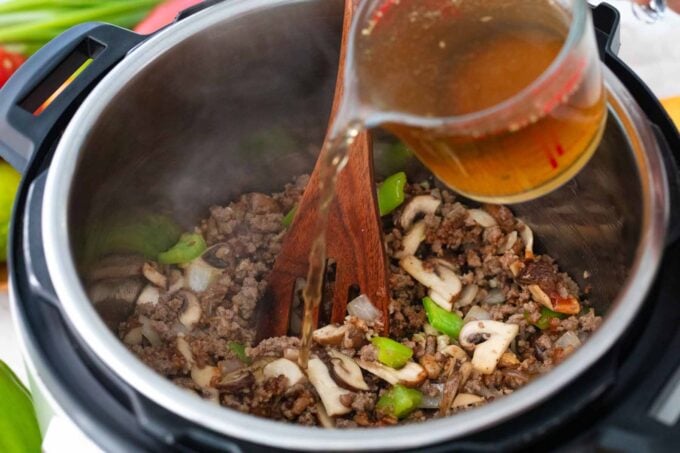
[399,401]
[392,353]
[19,430]
[240,351]
[189,247]
[288,219]
[391,193]
[546,316]
[30,24]
[444,321]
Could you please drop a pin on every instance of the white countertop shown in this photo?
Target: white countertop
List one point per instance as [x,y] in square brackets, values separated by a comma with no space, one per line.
[651,50]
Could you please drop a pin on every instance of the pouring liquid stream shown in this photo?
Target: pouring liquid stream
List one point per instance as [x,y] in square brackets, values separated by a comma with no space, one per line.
[416,63]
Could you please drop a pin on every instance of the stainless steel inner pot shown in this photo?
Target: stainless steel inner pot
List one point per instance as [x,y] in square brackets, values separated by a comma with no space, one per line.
[178,126]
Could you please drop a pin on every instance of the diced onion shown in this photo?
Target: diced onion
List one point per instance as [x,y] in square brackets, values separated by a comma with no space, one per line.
[482,218]
[467,296]
[432,402]
[568,341]
[495,296]
[477,313]
[363,308]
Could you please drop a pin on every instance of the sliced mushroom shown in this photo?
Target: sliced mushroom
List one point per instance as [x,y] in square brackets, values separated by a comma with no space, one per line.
[199,275]
[148,332]
[411,241]
[508,242]
[125,290]
[116,267]
[150,295]
[185,350]
[284,367]
[442,281]
[410,375]
[216,256]
[347,371]
[329,335]
[490,339]
[324,419]
[329,392]
[154,276]
[236,380]
[482,218]
[528,238]
[467,296]
[191,310]
[419,206]
[466,399]
[203,377]
[567,305]
[456,352]
[133,337]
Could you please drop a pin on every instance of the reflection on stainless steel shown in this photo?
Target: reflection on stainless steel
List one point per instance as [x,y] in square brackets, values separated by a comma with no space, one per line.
[194,117]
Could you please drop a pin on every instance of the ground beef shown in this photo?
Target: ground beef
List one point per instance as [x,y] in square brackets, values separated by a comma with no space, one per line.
[214,353]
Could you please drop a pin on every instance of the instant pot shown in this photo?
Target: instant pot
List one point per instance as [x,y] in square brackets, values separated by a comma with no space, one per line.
[157,125]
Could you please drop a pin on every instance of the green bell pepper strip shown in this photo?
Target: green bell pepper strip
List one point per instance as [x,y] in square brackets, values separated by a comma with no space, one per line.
[392,353]
[399,401]
[240,351]
[444,321]
[391,193]
[19,431]
[546,316]
[288,219]
[189,247]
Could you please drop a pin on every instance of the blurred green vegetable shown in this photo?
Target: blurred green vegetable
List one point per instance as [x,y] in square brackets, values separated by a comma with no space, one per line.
[240,351]
[446,322]
[399,401]
[288,219]
[392,353]
[27,25]
[189,247]
[9,183]
[19,431]
[391,193]
[546,316]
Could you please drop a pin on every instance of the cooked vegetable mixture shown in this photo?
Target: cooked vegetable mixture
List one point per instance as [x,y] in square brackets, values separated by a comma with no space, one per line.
[476,313]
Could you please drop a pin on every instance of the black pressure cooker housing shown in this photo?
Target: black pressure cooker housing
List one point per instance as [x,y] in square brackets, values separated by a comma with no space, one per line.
[607,407]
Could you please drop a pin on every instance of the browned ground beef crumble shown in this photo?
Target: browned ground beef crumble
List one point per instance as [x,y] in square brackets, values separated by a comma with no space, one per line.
[193,348]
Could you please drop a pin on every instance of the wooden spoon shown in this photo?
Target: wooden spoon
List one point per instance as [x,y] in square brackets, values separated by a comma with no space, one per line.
[354,234]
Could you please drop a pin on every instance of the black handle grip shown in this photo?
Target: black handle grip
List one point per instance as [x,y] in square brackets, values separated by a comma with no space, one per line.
[24,134]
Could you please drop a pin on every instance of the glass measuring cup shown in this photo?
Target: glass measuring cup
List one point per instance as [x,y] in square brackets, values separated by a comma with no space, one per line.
[502,99]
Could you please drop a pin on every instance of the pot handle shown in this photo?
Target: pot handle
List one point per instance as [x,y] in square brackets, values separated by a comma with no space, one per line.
[86,52]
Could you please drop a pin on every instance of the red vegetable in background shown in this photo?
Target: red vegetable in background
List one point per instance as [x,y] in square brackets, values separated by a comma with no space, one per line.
[163,15]
[9,62]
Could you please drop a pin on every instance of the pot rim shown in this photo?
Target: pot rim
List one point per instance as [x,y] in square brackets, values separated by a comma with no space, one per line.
[92,330]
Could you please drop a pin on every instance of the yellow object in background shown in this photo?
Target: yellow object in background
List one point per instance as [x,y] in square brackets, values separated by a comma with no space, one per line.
[672,106]
[9,183]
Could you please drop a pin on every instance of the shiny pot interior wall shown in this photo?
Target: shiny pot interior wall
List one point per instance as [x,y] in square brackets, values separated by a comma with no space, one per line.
[243,106]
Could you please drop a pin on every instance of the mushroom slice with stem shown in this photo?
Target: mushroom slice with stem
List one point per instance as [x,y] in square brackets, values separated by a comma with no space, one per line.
[191,310]
[490,339]
[329,335]
[567,305]
[419,206]
[284,367]
[324,419]
[442,281]
[412,240]
[482,218]
[154,276]
[347,371]
[410,375]
[329,392]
